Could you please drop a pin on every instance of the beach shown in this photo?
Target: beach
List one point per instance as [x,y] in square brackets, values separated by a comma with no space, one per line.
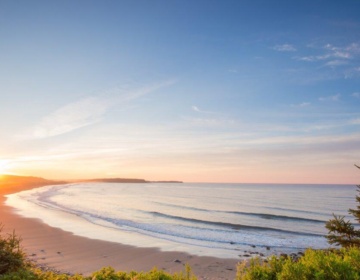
[62,251]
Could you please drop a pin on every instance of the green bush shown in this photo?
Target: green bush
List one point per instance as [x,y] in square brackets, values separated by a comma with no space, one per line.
[344,233]
[19,275]
[315,264]
[12,257]
[108,273]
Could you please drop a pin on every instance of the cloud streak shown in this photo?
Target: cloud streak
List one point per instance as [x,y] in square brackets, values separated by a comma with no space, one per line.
[334,56]
[355,121]
[198,110]
[87,111]
[336,62]
[356,94]
[70,117]
[284,48]
[195,108]
[301,105]
[139,92]
[330,98]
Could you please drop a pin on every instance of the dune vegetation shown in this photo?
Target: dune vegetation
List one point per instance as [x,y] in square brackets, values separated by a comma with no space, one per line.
[314,264]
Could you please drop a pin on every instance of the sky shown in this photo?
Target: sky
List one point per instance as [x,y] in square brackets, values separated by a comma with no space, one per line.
[199,91]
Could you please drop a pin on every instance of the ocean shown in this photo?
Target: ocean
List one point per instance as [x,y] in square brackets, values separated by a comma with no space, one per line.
[217,220]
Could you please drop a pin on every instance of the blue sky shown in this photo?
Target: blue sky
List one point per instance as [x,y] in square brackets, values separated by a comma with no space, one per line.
[222,91]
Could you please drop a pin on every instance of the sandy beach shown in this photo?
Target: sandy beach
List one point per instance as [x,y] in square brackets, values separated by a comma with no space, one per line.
[63,251]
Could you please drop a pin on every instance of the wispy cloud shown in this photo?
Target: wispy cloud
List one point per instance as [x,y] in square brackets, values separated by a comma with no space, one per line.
[352,72]
[333,55]
[210,122]
[301,105]
[355,121]
[306,58]
[207,118]
[213,121]
[336,62]
[330,98]
[139,92]
[356,94]
[196,109]
[87,111]
[284,48]
[70,117]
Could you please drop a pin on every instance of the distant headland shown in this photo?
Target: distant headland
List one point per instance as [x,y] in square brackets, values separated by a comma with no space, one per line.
[15,181]
[125,180]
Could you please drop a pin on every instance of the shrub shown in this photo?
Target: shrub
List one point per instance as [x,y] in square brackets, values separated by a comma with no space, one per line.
[343,232]
[315,264]
[12,257]
[108,273]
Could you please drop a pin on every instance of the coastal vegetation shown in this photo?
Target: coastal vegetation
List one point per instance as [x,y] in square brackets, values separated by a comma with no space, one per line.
[106,273]
[12,257]
[343,232]
[314,264]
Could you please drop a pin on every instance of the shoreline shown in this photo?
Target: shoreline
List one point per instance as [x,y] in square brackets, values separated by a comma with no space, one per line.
[63,251]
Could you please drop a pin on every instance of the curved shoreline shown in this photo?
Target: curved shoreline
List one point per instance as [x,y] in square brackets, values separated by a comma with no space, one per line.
[63,251]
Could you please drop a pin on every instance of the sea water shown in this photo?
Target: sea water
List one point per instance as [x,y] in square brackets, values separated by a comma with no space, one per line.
[205,219]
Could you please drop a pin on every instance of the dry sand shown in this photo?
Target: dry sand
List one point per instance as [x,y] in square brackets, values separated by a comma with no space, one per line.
[63,251]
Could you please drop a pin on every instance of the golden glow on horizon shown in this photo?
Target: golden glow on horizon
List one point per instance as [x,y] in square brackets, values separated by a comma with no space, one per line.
[180,169]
